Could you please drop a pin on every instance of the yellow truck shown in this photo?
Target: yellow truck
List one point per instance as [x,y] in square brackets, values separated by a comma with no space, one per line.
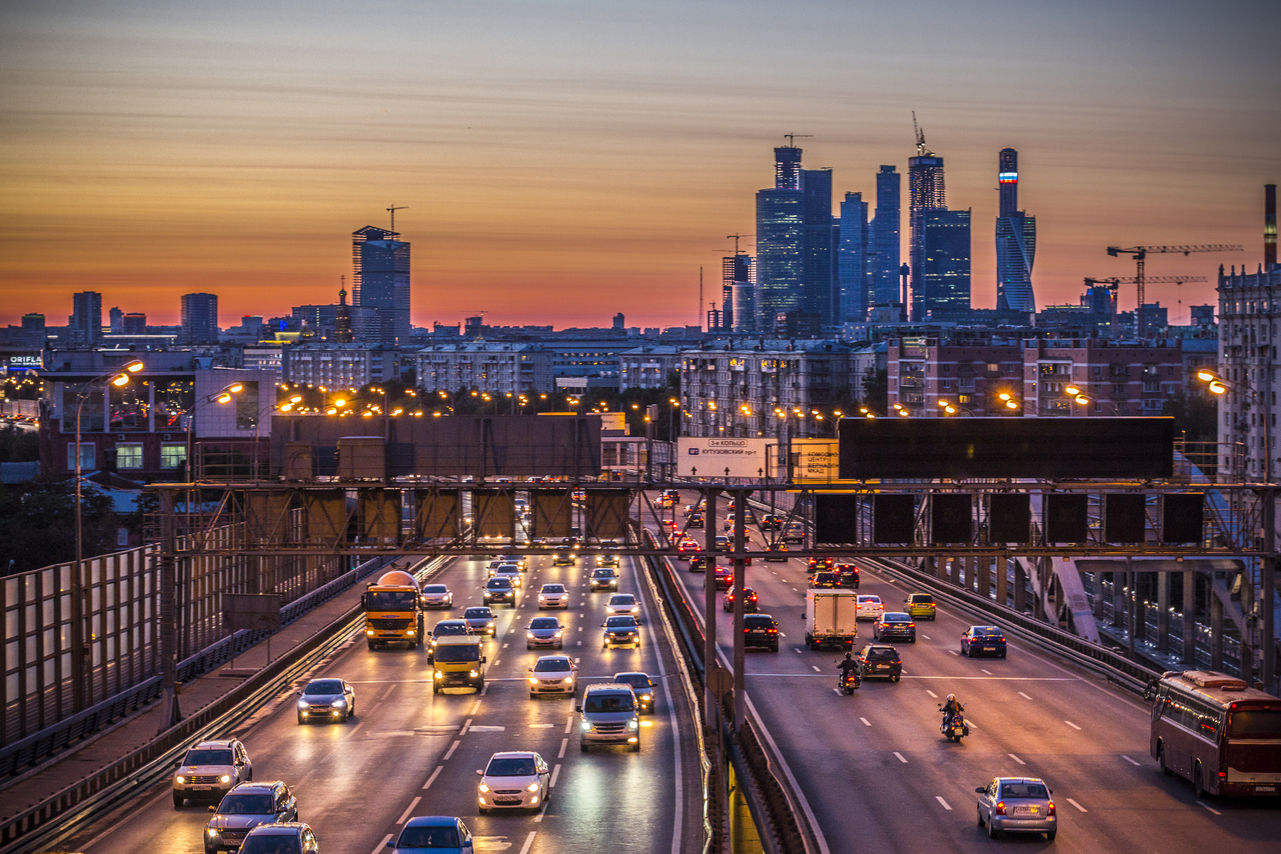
[459,662]
[393,610]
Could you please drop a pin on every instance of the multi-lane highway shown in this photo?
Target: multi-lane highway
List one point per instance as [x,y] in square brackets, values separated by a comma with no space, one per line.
[877,775]
[409,752]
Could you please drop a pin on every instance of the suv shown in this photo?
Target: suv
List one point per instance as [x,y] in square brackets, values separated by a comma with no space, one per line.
[760,631]
[210,769]
[879,659]
[499,589]
[245,807]
[292,836]
[443,629]
[610,715]
[603,579]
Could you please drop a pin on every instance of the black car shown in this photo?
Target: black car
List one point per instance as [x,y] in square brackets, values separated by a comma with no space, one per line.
[695,520]
[750,600]
[760,631]
[879,659]
[825,579]
[894,625]
[642,687]
[983,640]
[564,557]
[499,590]
[700,563]
[603,579]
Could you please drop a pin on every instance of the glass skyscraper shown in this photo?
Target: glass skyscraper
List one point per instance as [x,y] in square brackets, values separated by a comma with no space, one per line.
[853,275]
[380,281]
[780,259]
[884,239]
[945,265]
[818,296]
[927,193]
[1015,240]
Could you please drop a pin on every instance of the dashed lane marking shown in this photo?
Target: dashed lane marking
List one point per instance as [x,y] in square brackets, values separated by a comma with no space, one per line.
[1016,759]
[450,751]
[931,693]
[985,670]
[432,778]
[1078,806]
[409,810]
[865,721]
[564,743]
[382,846]
[529,841]
[945,804]
[1074,726]
[555,773]
[1207,806]
[900,757]
[1128,759]
[1024,696]
[816,670]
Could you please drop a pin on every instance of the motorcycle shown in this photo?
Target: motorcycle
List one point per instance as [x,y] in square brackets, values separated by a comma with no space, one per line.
[954,728]
[847,682]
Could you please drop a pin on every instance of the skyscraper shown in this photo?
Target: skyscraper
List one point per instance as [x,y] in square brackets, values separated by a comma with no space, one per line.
[945,266]
[199,319]
[779,238]
[853,275]
[737,277]
[818,296]
[927,192]
[884,243]
[380,280]
[85,323]
[1015,240]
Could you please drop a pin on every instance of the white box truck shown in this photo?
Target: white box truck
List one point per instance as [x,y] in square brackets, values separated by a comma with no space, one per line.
[831,618]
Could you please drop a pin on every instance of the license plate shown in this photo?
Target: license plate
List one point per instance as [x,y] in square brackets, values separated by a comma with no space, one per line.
[989,649]
[882,667]
[201,788]
[1265,790]
[506,800]
[1026,810]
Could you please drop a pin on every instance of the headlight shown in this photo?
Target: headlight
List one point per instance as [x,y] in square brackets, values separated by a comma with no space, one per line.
[530,635]
[338,704]
[569,680]
[633,724]
[533,681]
[439,675]
[180,779]
[473,674]
[532,787]
[303,704]
[225,778]
[484,787]
[587,727]
[211,832]
[369,632]
[411,633]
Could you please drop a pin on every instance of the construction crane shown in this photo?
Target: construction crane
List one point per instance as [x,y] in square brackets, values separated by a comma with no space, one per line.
[391,209]
[792,137]
[736,238]
[1140,254]
[921,150]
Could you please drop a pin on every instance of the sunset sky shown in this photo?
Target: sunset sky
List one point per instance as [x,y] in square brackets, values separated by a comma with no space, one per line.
[563,160]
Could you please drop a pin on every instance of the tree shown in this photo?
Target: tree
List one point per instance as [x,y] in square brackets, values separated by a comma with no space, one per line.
[18,446]
[38,524]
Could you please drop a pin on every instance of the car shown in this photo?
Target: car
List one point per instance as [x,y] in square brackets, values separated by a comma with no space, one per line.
[695,520]
[642,686]
[622,630]
[442,629]
[516,779]
[869,607]
[920,605]
[879,659]
[433,834]
[771,522]
[521,562]
[848,574]
[436,596]
[553,596]
[544,631]
[553,674]
[494,566]
[816,564]
[825,580]
[607,559]
[480,620]
[983,640]
[777,552]
[669,525]
[687,549]
[1017,804]
[327,699]
[293,837]
[723,578]
[603,579]
[510,572]
[728,524]
[700,563]
[895,625]
[671,498]
[721,543]
[691,509]
[794,533]
[499,589]
[622,603]
[245,807]
[573,541]
[760,631]
[209,769]
[564,557]
[750,600]
[610,714]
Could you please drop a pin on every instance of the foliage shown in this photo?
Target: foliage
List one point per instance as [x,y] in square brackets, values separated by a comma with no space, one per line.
[38,527]
[18,446]
[1195,416]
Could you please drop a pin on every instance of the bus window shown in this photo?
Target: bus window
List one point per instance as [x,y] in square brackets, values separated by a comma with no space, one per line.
[1255,724]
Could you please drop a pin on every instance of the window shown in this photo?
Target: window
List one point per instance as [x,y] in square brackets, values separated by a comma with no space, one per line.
[88,453]
[129,455]
[173,454]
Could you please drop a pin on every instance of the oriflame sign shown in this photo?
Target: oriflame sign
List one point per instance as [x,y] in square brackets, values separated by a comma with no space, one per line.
[720,457]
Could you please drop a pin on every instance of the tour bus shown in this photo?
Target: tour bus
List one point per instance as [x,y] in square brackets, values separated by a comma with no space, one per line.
[1216,731]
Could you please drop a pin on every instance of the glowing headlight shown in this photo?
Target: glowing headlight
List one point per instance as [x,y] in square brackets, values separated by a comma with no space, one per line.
[180,779]
[439,675]
[530,635]
[303,704]
[338,704]
[532,787]
[473,674]
[633,724]
[484,787]
[369,632]
[225,778]
[569,680]
[587,727]
[211,832]
[533,681]
[411,633]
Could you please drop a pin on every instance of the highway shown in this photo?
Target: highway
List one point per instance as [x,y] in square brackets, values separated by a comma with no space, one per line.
[877,774]
[408,752]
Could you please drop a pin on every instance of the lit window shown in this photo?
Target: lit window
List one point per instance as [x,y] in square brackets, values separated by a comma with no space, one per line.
[129,455]
[173,454]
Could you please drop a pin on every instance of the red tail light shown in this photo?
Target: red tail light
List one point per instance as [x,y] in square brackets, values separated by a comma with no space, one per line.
[911,625]
[1049,809]
[999,809]
[773,631]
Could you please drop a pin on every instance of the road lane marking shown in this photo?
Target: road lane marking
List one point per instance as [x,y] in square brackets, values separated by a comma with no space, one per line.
[564,743]
[1074,726]
[541,726]
[410,810]
[495,664]
[1016,759]
[1128,759]
[931,693]
[352,731]
[450,751]
[466,726]
[865,721]
[475,707]
[1024,696]
[432,778]
[382,846]
[555,773]
[900,757]
[1078,806]
[985,670]
[953,652]
[816,670]
[529,840]
[569,724]
[927,637]
[945,804]
[797,651]
[1207,806]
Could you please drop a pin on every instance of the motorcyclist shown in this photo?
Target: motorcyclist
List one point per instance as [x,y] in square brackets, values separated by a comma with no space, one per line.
[847,665]
[951,706]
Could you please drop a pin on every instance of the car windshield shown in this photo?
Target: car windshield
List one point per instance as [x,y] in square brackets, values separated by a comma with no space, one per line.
[603,573]
[243,803]
[620,622]
[207,756]
[476,613]
[428,837]
[544,623]
[498,584]
[636,680]
[510,766]
[271,843]
[625,599]
[548,665]
[324,686]
[758,622]
[611,702]
[1024,790]
[391,600]
[985,631]
[922,599]
[553,588]
[458,652]
[450,628]
[435,588]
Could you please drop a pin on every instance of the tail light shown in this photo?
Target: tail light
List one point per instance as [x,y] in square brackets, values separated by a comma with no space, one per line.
[1049,808]
[999,809]
[911,625]
[773,631]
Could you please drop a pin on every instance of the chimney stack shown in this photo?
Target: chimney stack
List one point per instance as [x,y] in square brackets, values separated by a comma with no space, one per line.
[1269,226]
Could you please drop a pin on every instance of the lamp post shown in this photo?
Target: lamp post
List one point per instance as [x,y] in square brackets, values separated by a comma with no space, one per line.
[119,379]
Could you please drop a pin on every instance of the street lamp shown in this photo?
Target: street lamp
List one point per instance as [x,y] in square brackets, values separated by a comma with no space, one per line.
[1220,386]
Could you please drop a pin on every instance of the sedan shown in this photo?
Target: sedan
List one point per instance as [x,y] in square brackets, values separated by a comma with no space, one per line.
[825,579]
[607,560]
[436,596]
[642,687]
[848,573]
[695,521]
[723,578]
[565,557]
[816,564]
[544,631]
[878,659]
[603,579]
[869,607]
[326,700]
[552,674]
[480,620]
[513,780]
[620,631]
[433,834]
[553,596]
[511,573]
[750,600]
[983,640]
[1017,804]
[894,625]
[499,589]
[292,836]
[760,631]
[777,552]
[622,603]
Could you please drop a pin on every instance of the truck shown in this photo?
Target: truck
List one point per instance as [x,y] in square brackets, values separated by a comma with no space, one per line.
[393,610]
[831,618]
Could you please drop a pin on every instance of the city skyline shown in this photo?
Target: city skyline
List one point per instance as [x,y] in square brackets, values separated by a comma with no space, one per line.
[562,162]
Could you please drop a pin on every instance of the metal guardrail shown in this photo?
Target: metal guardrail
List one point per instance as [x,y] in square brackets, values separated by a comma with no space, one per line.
[67,811]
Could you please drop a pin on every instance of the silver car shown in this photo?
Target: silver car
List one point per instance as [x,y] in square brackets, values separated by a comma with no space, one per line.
[544,631]
[245,807]
[553,596]
[436,596]
[1017,804]
[326,700]
[553,674]
[210,769]
[513,780]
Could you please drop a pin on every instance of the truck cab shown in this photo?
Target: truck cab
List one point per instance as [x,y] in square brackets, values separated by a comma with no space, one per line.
[459,663]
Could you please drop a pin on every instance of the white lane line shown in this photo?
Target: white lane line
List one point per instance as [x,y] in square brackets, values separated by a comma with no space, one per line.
[927,637]
[529,841]
[564,743]
[1078,806]
[450,751]
[836,691]
[1128,759]
[970,722]
[985,670]
[484,688]
[816,670]
[953,652]
[432,778]
[495,664]
[783,635]
[1207,806]
[931,693]
[541,726]
[569,724]
[1024,696]
[505,644]
[1016,759]
[865,721]
[352,731]
[466,726]
[945,804]
[475,707]
[797,651]
[410,810]
[900,757]
[555,773]
[1074,726]
[382,846]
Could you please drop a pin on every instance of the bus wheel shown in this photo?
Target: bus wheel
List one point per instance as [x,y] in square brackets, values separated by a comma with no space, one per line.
[1160,759]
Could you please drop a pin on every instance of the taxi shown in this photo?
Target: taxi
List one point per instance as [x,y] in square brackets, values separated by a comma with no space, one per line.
[920,606]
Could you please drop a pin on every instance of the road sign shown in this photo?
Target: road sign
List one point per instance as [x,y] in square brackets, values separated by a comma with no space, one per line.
[815,461]
[730,457]
[251,611]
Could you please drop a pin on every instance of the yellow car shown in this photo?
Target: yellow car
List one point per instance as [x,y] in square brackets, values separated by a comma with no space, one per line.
[920,606]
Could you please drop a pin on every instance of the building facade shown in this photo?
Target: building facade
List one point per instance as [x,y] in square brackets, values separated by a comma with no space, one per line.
[780,229]
[339,365]
[1249,328]
[885,241]
[1015,240]
[199,319]
[923,372]
[84,326]
[486,366]
[854,262]
[380,281]
[648,366]
[927,192]
[943,288]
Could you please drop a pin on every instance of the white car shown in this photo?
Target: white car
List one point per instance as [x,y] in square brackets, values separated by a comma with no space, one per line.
[513,780]
[552,674]
[436,596]
[622,603]
[870,607]
[553,596]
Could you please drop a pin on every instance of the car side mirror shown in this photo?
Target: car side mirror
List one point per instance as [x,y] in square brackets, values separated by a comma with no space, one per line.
[213,808]
[578,708]
[981,790]
[602,625]
[480,773]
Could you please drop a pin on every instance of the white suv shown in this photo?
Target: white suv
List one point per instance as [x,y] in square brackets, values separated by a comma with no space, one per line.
[869,607]
[210,769]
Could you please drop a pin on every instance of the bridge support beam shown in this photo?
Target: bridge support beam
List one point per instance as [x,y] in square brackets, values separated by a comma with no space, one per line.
[1216,633]
[1020,587]
[1189,619]
[1163,611]
[1003,581]
[984,573]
